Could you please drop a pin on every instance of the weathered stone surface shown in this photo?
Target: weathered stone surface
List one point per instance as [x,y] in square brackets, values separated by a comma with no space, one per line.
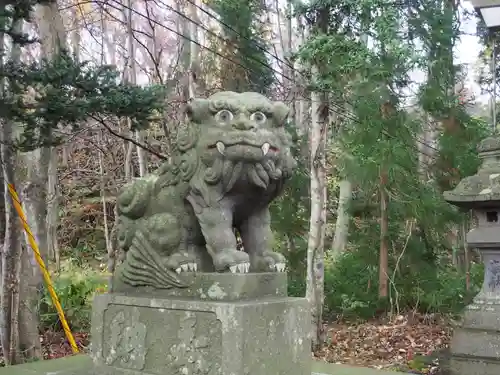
[476,343]
[216,286]
[231,160]
[482,316]
[137,335]
[474,366]
[82,365]
[483,188]
[475,346]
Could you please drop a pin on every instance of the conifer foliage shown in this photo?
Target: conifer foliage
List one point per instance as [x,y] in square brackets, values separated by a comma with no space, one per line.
[46,95]
[244,45]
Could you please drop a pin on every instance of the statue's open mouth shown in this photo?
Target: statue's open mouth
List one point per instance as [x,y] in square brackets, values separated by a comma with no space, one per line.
[221,146]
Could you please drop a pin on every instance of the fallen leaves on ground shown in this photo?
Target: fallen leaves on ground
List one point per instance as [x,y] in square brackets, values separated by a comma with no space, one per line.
[410,343]
[55,345]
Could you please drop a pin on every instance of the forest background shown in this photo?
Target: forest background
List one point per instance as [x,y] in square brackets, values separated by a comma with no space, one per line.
[92,93]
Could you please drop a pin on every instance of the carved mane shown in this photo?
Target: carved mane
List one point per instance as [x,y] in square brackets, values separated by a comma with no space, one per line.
[213,177]
[232,146]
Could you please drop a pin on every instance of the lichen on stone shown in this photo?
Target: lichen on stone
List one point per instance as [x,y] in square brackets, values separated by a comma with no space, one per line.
[231,160]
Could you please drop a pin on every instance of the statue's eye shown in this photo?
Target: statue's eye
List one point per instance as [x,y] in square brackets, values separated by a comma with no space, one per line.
[224,116]
[258,117]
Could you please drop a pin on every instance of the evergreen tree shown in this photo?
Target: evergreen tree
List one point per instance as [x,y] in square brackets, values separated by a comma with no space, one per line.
[369,84]
[246,67]
[62,92]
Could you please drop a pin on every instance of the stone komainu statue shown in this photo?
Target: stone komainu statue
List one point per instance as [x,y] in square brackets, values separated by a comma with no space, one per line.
[231,160]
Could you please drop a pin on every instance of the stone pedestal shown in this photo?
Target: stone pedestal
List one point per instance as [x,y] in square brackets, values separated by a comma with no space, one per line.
[475,347]
[224,324]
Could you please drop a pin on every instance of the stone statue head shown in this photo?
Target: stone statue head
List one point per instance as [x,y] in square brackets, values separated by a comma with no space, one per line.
[233,138]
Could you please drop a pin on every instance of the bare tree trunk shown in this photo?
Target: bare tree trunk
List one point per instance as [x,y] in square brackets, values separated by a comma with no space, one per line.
[341,235]
[28,318]
[285,34]
[34,196]
[102,179]
[53,209]
[317,224]
[11,251]
[109,235]
[2,210]
[185,31]
[129,150]
[383,284]
[426,152]
[52,35]
[301,105]
[194,51]
[124,123]
[342,224]
[2,185]
[75,45]
[132,71]
[76,49]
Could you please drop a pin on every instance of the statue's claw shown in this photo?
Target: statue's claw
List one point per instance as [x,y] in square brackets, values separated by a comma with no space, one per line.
[232,260]
[270,261]
[187,267]
[240,268]
[182,262]
[278,267]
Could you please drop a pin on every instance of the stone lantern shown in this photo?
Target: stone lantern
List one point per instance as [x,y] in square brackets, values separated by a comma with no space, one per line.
[489,11]
[475,347]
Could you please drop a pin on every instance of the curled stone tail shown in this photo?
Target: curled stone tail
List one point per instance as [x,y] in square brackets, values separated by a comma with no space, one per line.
[144,267]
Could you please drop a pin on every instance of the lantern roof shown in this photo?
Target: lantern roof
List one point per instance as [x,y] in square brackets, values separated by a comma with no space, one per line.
[481,190]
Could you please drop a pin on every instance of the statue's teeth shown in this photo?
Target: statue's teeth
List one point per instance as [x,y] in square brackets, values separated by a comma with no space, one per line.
[265,148]
[220,147]
[184,267]
[280,267]
[233,269]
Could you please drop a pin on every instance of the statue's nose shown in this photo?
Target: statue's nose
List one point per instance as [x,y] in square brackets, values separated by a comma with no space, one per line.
[243,124]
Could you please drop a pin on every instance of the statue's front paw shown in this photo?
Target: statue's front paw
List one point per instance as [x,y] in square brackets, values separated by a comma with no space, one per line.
[271,261]
[182,262]
[232,260]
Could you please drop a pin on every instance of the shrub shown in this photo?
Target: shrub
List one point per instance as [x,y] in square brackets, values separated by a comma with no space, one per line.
[351,288]
[75,287]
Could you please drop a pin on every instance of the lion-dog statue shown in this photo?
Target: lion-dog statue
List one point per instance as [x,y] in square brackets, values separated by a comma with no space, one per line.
[231,159]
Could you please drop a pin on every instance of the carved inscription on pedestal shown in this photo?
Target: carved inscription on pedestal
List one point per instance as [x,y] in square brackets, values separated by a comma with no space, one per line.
[162,341]
[493,274]
[127,342]
[192,354]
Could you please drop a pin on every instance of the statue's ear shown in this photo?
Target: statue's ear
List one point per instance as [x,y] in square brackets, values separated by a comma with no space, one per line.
[197,109]
[280,113]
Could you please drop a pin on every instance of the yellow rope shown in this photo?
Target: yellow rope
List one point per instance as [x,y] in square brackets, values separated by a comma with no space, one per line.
[41,263]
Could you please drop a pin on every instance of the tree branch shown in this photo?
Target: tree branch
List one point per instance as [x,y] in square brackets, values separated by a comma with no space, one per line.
[129,139]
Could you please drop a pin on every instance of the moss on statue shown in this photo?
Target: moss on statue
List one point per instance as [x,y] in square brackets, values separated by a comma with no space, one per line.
[483,188]
[232,159]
